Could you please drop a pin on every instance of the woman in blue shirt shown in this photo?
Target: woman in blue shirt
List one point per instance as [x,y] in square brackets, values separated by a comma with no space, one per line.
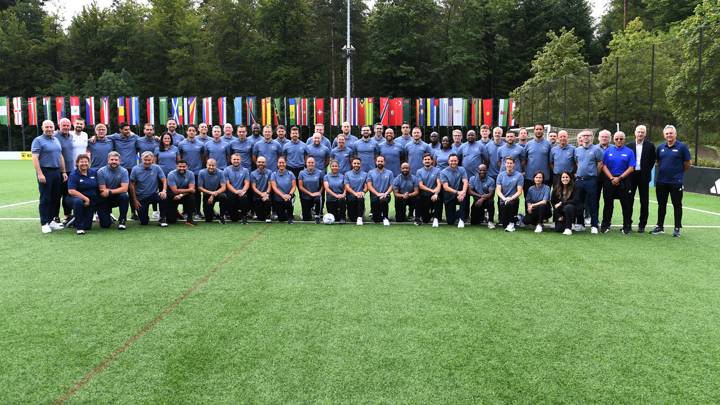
[537,202]
[310,183]
[83,188]
[167,154]
[442,154]
[283,187]
[335,188]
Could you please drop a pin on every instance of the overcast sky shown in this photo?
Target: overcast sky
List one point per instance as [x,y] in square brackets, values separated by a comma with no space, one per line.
[70,8]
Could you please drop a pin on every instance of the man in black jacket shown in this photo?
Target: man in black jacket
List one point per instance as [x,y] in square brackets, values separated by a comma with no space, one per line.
[640,179]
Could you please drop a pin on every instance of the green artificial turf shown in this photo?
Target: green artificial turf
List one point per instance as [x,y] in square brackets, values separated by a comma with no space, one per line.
[315,313]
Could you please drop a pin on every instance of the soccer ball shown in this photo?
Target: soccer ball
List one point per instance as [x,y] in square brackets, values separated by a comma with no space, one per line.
[328,219]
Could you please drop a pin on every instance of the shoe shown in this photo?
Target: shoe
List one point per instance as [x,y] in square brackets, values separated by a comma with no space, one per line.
[604,229]
[386,222]
[658,230]
[567,231]
[95,218]
[418,223]
[55,226]
[594,230]
[46,228]
[163,222]
[587,221]
[121,225]
[290,221]
[222,220]
[244,221]
[317,219]
[198,217]
[626,231]
[190,222]
[267,221]
[461,224]
[134,217]
[435,223]
[359,221]
[273,217]
[510,227]
[112,218]
[80,232]
[676,233]
[491,225]
[342,221]
[641,229]
[69,220]
[538,229]
[520,219]
[155,215]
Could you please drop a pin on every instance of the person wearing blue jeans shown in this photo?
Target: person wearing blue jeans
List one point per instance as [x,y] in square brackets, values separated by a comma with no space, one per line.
[83,193]
[589,160]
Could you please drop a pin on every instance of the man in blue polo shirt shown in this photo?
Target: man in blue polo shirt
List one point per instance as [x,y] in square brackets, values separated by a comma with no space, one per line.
[317,150]
[171,126]
[212,185]
[320,129]
[342,153]
[125,143]
[350,139]
[145,181]
[482,188]
[472,154]
[455,185]
[618,164]
[405,189]
[405,136]
[100,149]
[562,157]
[392,151]
[509,188]
[366,149]
[50,170]
[379,181]
[113,181]
[243,146]
[269,148]
[148,142]
[492,148]
[193,152]
[589,159]
[510,150]
[294,152]
[430,201]
[415,150]
[673,160]
[228,135]
[537,156]
[260,184]
[217,148]
[65,138]
[181,183]
[255,136]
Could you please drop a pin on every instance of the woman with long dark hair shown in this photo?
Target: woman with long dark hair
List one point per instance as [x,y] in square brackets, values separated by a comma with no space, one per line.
[566,204]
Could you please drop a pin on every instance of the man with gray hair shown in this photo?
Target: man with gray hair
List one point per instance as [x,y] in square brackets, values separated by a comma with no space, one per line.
[146,179]
[618,164]
[589,161]
[113,181]
[640,178]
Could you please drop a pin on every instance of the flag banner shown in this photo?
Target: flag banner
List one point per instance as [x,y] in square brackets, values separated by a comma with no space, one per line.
[150,110]
[121,110]
[420,112]
[384,111]
[303,112]
[163,107]
[177,110]
[406,110]
[60,108]
[268,111]
[47,108]
[251,110]
[222,110]
[276,111]
[502,112]
[475,112]
[128,109]
[191,110]
[134,111]
[353,114]
[395,112]
[362,116]
[319,108]
[334,112]
[238,107]
[511,111]
[292,110]
[369,111]
[343,110]
[17,111]
[32,111]
[444,107]
[105,110]
[487,111]
[458,112]
[207,111]
[4,111]
[74,109]
[90,111]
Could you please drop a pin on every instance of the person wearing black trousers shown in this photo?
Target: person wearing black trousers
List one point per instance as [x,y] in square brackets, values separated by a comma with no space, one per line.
[566,203]
[640,178]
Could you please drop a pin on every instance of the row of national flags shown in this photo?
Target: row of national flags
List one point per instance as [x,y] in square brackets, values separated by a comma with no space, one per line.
[423,112]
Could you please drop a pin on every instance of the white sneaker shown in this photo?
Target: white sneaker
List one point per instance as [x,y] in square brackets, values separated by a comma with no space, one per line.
[587,221]
[80,232]
[461,224]
[538,229]
[386,222]
[510,227]
[359,221]
[46,228]
[55,226]
[567,232]
[155,215]
[491,225]
[594,230]
[95,218]
[435,223]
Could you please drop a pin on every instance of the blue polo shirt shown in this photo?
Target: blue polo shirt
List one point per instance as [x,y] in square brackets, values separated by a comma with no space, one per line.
[563,159]
[192,151]
[312,181]
[414,151]
[147,180]
[48,149]
[294,153]
[67,150]
[127,148]
[393,154]
[110,178]
[236,176]
[270,151]
[145,144]
[587,159]
[177,138]
[99,152]
[537,154]
[515,152]
[217,150]
[283,181]
[167,159]
[482,186]
[618,159]
[403,140]
[320,153]
[366,150]
[261,179]
[442,156]
[492,150]
[509,182]
[671,163]
[356,181]
[336,183]
[324,141]
[86,185]
[244,148]
[210,181]
[405,184]
[255,139]
[350,140]
[381,180]
[282,141]
[428,177]
[454,179]
[536,194]
[472,155]
[180,180]
[343,157]
[435,146]
[228,139]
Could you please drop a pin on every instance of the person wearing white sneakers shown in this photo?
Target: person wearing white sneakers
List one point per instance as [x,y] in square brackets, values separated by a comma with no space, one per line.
[50,171]
[356,187]
[455,186]
[262,190]
[145,181]
[405,188]
[430,199]
[482,188]
[565,201]
[379,183]
[83,193]
[509,188]
[537,202]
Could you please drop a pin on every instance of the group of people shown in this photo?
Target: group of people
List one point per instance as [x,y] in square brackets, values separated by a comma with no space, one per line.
[258,175]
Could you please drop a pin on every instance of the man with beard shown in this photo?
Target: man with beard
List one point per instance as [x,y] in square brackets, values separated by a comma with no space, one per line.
[113,181]
[148,185]
[294,152]
[243,147]
[379,183]
[430,200]
[366,149]
[392,151]
[211,183]
[455,185]
[268,148]
[405,188]
[482,188]
[237,185]
[260,184]
[181,182]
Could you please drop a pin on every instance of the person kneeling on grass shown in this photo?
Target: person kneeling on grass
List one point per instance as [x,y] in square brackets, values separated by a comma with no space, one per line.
[509,188]
[260,183]
[537,202]
[182,191]
[113,181]
[566,203]
[482,188]
[145,181]
[406,190]
[283,186]
[356,187]
[83,190]
[236,186]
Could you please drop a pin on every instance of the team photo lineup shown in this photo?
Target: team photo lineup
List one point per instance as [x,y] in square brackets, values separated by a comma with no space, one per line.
[221,174]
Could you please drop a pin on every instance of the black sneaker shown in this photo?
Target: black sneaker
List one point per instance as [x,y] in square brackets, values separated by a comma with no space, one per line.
[163,222]
[658,230]
[222,219]
[121,225]
[244,221]
[134,217]
[676,233]
[604,230]
[290,221]
[317,219]
[641,229]
[626,231]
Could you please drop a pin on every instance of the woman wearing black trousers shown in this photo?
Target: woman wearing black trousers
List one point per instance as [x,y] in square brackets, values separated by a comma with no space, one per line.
[566,204]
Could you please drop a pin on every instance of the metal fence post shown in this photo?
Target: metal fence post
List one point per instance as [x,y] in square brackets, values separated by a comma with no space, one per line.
[697,96]
[565,101]
[652,93]
[617,82]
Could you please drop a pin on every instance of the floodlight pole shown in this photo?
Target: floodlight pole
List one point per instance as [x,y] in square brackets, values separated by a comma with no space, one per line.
[348,49]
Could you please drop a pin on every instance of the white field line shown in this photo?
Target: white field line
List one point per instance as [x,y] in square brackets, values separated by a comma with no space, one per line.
[685,207]
[18,204]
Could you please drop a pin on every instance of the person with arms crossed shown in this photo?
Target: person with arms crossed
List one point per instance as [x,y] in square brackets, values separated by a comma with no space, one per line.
[455,186]
[50,171]
[113,181]
[405,189]
[148,185]
[509,188]
[673,160]
[618,165]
